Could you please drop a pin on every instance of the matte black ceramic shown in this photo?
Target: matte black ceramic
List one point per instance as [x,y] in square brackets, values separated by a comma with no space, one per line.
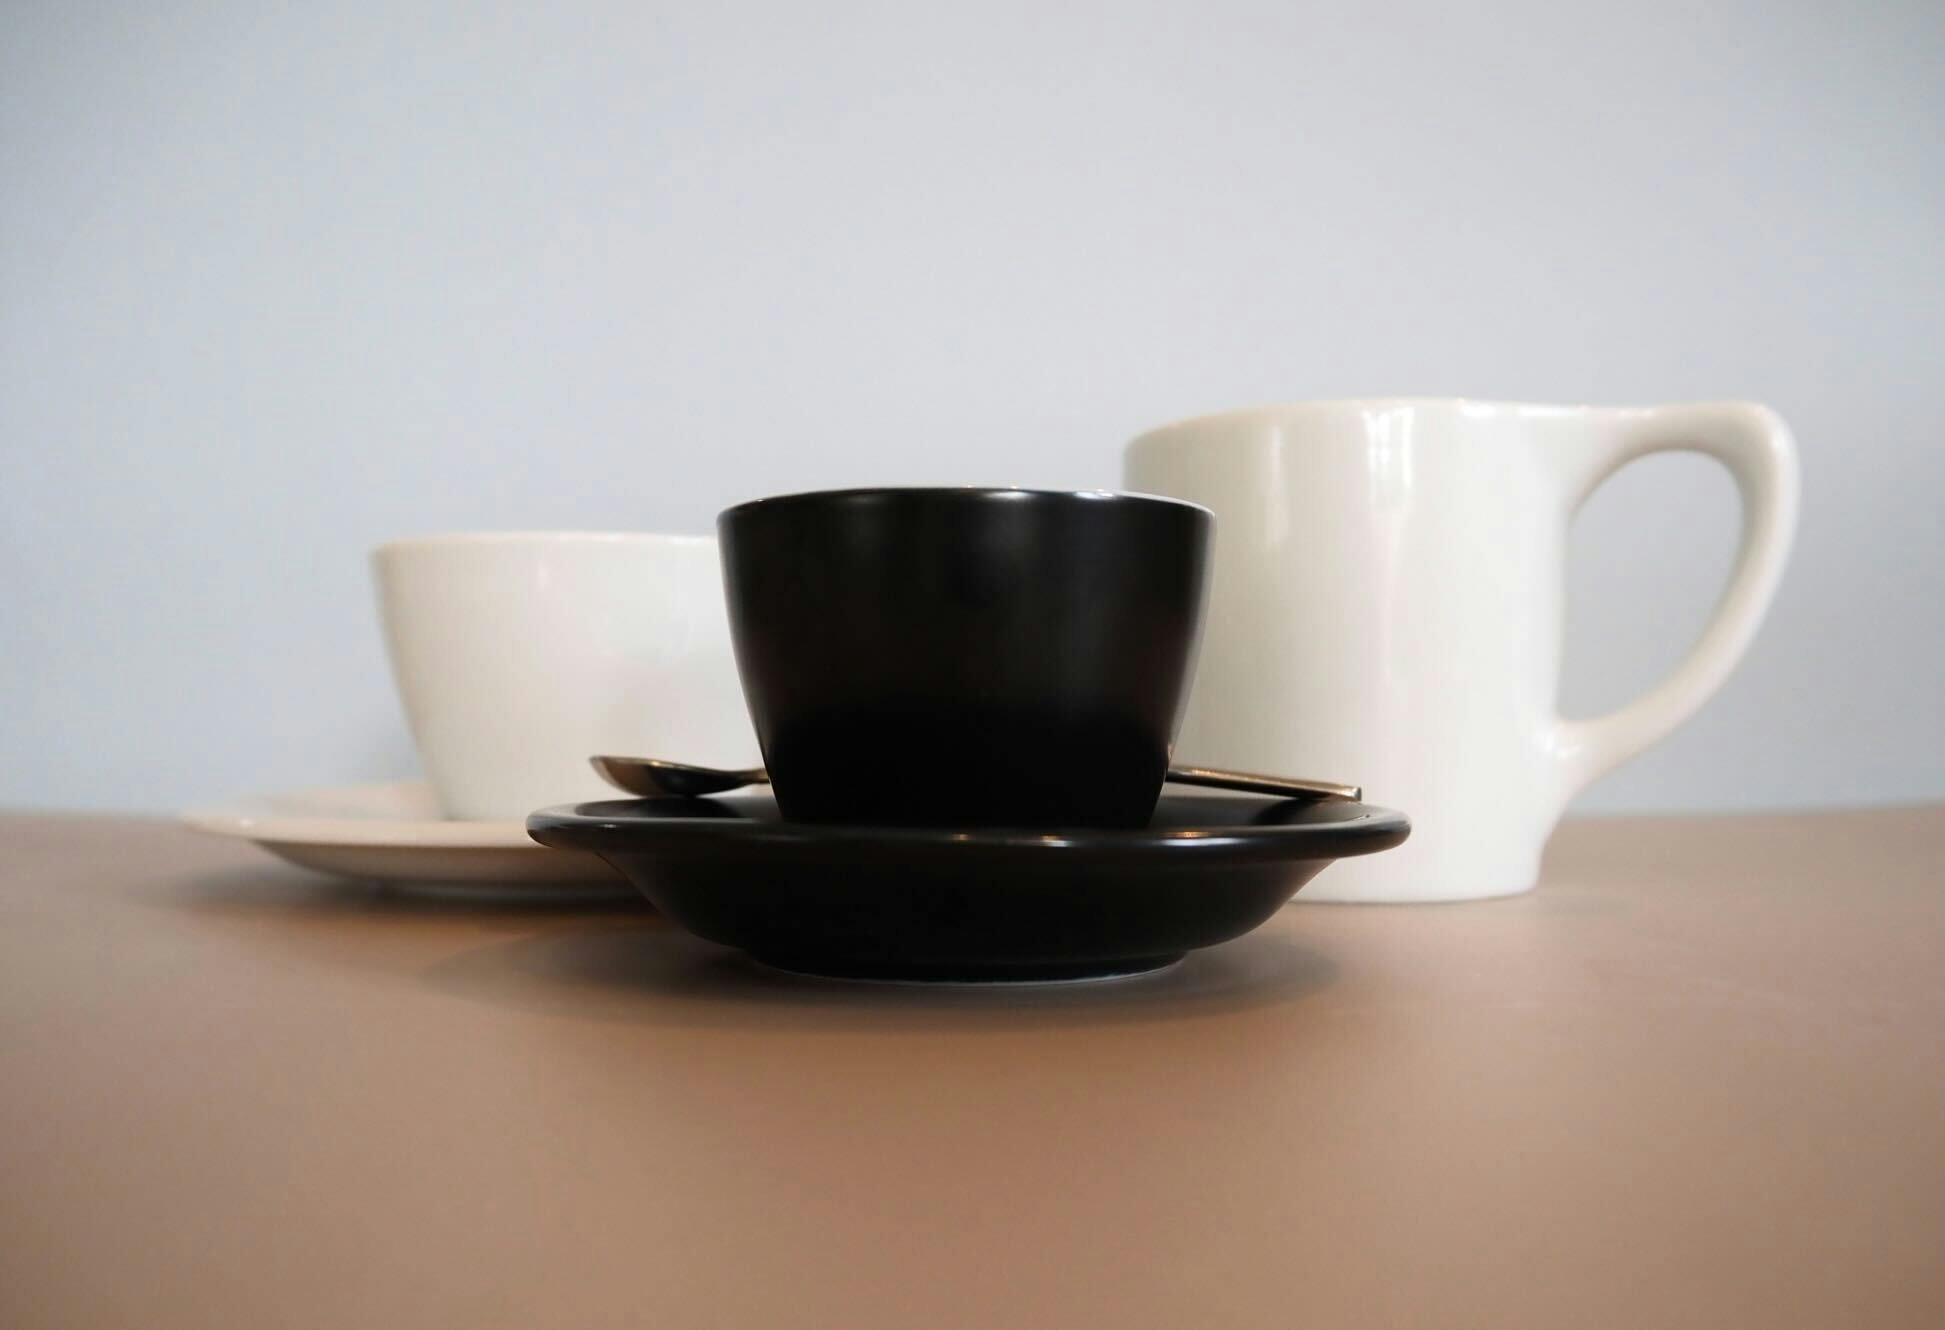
[990,904]
[1012,657]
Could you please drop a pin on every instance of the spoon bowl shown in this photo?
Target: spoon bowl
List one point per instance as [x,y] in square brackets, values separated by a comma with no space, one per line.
[654,778]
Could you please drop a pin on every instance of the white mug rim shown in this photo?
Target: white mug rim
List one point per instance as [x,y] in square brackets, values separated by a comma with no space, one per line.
[1465,406]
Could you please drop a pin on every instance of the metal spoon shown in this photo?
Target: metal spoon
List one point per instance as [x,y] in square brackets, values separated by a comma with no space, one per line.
[652,778]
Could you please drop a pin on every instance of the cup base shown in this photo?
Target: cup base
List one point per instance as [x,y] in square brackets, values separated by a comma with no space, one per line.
[971,975]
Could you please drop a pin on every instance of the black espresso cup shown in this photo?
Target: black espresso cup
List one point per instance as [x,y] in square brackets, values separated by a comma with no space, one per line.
[969,657]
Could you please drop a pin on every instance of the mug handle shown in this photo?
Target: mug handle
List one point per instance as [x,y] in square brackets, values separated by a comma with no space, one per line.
[1755,445]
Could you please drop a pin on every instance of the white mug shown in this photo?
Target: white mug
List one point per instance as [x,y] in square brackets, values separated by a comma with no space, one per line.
[1386,600]
[519,655]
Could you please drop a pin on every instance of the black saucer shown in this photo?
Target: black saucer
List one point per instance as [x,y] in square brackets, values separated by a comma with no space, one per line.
[970,906]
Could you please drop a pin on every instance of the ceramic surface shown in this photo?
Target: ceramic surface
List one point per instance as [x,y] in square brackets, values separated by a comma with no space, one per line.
[963,905]
[394,833]
[1386,601]
[1025,652]
[519,654]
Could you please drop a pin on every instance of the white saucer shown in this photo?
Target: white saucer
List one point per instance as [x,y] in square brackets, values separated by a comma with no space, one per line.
[394,833]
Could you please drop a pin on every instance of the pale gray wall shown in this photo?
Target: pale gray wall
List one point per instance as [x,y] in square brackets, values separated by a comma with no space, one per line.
[277,282]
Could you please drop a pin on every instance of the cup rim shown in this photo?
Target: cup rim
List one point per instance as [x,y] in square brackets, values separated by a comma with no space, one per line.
[464,539]
[1467,406]
[958,491]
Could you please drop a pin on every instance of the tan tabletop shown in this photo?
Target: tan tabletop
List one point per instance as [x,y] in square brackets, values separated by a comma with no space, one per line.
[1698,1078]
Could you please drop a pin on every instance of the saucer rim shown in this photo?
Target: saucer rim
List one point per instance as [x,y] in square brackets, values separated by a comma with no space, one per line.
[251,819]
[1373,829]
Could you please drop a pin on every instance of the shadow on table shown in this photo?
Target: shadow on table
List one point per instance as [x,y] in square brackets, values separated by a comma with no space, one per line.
[644,971]
[612,958]
[272,892]
[375,927]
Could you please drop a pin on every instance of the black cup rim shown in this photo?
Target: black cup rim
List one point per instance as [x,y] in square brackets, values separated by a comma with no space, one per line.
[1118,498]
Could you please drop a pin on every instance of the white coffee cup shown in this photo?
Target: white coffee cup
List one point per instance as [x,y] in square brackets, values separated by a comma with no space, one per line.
[1386,601]
[520,654]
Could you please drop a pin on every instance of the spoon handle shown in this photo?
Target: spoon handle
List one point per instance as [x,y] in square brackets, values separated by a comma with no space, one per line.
[1252,783]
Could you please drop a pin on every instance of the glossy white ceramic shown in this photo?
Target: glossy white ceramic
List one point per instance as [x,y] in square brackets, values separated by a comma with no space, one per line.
[518,655]
[394,833]
[1386,604]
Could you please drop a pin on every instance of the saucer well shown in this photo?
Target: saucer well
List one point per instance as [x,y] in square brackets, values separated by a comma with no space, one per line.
[969,905]
[394,833]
